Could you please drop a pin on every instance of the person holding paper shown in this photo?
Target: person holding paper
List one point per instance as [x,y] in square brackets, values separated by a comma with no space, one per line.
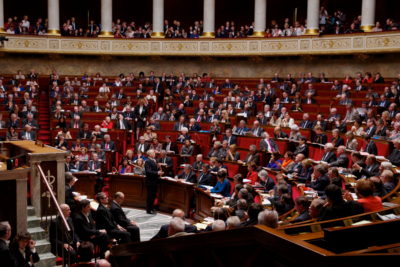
[187,175]
[94,165]
[223,186]
[364,191]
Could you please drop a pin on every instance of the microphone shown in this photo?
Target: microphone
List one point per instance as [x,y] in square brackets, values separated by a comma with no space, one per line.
[201,141]
[116,171]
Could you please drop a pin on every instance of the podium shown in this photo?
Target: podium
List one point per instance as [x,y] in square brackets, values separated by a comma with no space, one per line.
[51,160]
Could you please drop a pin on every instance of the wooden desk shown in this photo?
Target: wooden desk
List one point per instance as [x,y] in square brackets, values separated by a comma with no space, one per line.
[204,203]
[85,184]
[174,195]
[133,186]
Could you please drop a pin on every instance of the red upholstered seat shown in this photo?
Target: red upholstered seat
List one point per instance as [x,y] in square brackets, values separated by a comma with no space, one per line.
[383,149]
[282,145]
[309,108]
[247,142]
[296,192]
[257,199]
[167,126]
[233,169]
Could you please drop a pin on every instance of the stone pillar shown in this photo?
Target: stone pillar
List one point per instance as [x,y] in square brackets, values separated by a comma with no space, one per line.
[158,19]
[22,205]
[53,12]
[368,15]
[208,19]
[106,19]
[260,18]
[313,17]
[2,30]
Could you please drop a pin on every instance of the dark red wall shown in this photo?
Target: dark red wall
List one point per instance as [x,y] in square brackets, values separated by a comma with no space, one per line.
[188,11]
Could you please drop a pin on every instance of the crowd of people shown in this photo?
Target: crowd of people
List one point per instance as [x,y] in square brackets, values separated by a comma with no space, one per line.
[329,23]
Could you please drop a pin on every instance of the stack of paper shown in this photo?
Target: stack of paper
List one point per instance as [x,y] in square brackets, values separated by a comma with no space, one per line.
[388,217]
[208,186]
[209,219]
[201,226]
[246,181]
[216,195]
[361,222]
[266,202]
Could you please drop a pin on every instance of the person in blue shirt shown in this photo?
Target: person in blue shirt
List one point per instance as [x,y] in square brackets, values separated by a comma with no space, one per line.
[139,155]
[275,162]
[223,186]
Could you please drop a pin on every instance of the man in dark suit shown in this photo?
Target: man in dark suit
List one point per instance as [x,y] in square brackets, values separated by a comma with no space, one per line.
[28,134]
[187,175]
[60,239]
[297,167]
[30,121]
[6,258]
[180,124]
[320,121]
[105,220]
[92,27]
[198,164]
[257,130]
[142,145]
[279,134]
[372,168]
[359,86]
[153,173]
[228,84]
[30,254]
[329,156]
[120,94]
[129,114]
[94,165]
[96,107]
[370,147]
[306,123]
[200,117]
[163,233]
[302,206]
[28,112]
[283,86]
[371,129]
[333,116]
[86,228]
[262,119]
[320,180]
[211,116]
[121,219]
[84,133]
[205,177]
[320,137]
[75,113]
[342,160]
[229,137]
[169,146]
[212,104]
[158,88]
[394,157]
[194,126]
[107,144]
[123,124]
[166,161]
[302,148]
[309,99]
[252,156]
[75,101]
[69,192]
[383,104]
[357,158]
[76,123]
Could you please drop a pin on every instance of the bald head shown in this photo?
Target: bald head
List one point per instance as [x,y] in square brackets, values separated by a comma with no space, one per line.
[102,263]
[178,214]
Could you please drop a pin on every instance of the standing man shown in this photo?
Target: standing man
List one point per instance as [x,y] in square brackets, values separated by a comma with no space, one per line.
[6,257]
[152,174]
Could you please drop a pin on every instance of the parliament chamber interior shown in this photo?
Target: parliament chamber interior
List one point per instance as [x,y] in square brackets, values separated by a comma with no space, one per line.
[174,133]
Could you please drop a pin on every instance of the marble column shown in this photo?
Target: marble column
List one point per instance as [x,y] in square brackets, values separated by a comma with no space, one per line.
[312,17]
[368,15]
[106,19]
[208,19]
[53,12]
[158,19]
[260,18]
[2,30]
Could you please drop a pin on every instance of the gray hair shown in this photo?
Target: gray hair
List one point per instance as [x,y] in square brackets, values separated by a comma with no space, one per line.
[218,143]
[242,121]
[232,222]
[185,129]
[294,127]
[318,203]
[150,151]
[336,131]
[387,165]
[253,147]
[218,225]
[329,145]
[177,224]
[106,136]
[263,173]
[98,145]
[345,86]
[242,203]
[334,109]
[188,166]
[306,115]
[163,151]
[320,168]
[268,218]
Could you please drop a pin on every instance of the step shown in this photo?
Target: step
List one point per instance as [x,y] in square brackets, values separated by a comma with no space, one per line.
[43,246]
[37,233]
[33,222]
[31,211]
[46,259]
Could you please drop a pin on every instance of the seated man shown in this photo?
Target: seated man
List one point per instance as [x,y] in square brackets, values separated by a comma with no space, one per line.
[87,231]
[394,157]
[302,207]
[6,257]
[379,190]
[342,160]
[107,144]
[316,206]
[320,122]
[28,134]
[177,228]
[205,177]
[252,156]
[69,191]
[163,233]
[372,168]
[166,161]
[388,180]
[184,135]
[105,220]
[329,155]
[306,123]
[268,218]
[338,207]
[198,163]
[121,219]
[94,165]
[253,211]
[76,123]
[59,237]
[187,175]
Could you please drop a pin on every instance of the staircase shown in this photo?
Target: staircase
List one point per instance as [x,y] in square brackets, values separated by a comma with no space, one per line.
[39,235]
[44,134]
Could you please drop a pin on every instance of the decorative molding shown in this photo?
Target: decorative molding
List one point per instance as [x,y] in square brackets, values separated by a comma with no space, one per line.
[79,45]
[358,42]
[391,41]
[54,44]
[363,57]
[256,59]
[155,46]
[273,46]
[105,45]
[332,44]
[304,45]
[204,46]
[130,46]
[27,43]
[231,46]
[206,58]
[192,46]
[253,46]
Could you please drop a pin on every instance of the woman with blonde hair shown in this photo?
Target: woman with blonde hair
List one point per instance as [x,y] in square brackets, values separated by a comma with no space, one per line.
[139,169]
[141,113]
[83,156]
[102,95]
[212,162]
[233,153]
[225,119]
[308,170]
[352,143]
[215,129]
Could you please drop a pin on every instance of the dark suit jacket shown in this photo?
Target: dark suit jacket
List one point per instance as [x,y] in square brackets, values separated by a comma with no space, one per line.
[342,161]
[146,146]
[340,210]
[264,146]
[83,228]
[151,172]
[72,124]
[69,197]
[313,101]
[81,166]
[71,101]
[308,124]
[281,135]
[130,115]
[232,141]
[127,124]
[297,166]
[323,124]
[119,215]
[195,128]
[81,134]
[339,142]
[6,257]
[370,170]
[255,158]
[56,233]
[371,148]
[73,114]
[23,262]
[302,150]
[230,85]
[304,216]
[163,233]
[305,175]
[15,124]
[196,166]
[321,139]
[205,179]
[105,219]
[385,105]
[173,147]
[329,158]
[111,145]
[123,95]
[97,165]
[320,184]
[25,114]
[192,178]
[176,126]
[93,108]
[32,135]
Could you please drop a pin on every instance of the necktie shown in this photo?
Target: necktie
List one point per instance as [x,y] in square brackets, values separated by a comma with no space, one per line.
[106,146]
[211,119]
[180,126]
[157,88]
[201,176]
[168,147]
[366,148]
[121,123]
[198,118]
[28,136]
[141,147]
[369,130]
[269,143]
[120,96]
[391,114]
[76,126]
[240,131]
[382,104]
[93,166]
[309,101]
[229,141]
[323,158]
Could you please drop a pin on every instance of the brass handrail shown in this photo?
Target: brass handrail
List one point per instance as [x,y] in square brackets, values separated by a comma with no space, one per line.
[53,197]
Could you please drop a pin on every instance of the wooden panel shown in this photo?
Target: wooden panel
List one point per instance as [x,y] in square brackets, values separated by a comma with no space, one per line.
[85,184]
[132,186]
[8,198]
[204,202]
[174,195]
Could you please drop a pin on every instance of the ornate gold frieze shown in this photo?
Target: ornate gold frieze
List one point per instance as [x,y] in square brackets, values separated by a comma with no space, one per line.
[190,46]
[204,46]
[273,46]
[253,46]
[155,46]
[54,44]
[27,43]
[390,41]
[304,44]
[231,46]
[130,46]
[105,45]
[332,43]
[79,45]
[358,42]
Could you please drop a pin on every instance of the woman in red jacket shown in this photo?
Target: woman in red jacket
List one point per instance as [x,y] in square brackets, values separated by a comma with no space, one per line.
[364,190]
[368,78]
[107,123]
[252,175]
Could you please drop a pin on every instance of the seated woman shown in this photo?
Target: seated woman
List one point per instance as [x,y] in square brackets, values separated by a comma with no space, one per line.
[215,129]
[58,114]
[265,181]
[139,168]
[287,121]
[357,129]
[233,154]
[275,120]
[305,176]
[156,145]
[83,156]
[386,118]
[102,95]
[92,145]
[114,114]
[288,161]
[76,146]
[107,123]
[149,135]
[216,91]
[139,156]
[275,162]
[23,250]
[104,89]
[289,203]
[124,167]
[297,107]
[372,102]
[295,135]
[214,151]
[352,143]
[223,186]
[186,150]
[252,175]
[364,190]
[11,135]
[107,107]
[280,188]
[336,140]
[170,102]
[24,101]
[225,119]
[61,142]
[65,133]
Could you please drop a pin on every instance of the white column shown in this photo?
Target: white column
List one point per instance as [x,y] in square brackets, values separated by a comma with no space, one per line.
[260,18]
[106,19]
[158,19]
[313,17]
[208,19]
[2,30]
[53,12]
[368,15]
